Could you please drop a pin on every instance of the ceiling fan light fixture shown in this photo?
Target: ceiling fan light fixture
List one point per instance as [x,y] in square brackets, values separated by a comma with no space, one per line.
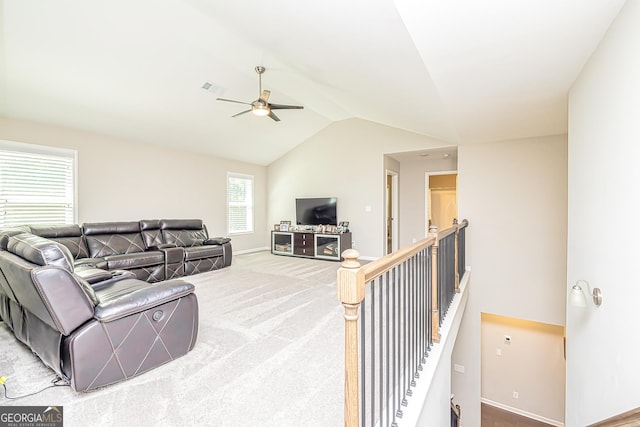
[261,106]
[260,110]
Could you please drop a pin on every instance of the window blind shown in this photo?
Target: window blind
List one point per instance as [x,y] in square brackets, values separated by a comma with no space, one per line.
[36,187]
[240,203]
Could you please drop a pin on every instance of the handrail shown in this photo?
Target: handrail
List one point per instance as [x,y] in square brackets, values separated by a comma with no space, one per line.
[380,266]
[352,279]
[444,233]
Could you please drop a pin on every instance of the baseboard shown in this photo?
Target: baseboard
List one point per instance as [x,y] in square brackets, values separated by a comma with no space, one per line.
[267,248]
[250,251]
[523,413]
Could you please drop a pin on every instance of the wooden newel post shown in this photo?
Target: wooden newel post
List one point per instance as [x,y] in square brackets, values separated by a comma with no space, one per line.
[435,313]
[350,284]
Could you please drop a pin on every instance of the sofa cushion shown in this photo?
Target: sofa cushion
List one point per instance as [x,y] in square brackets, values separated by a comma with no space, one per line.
[178,224]
[70,235]
[134,260]
[113,238]
[184,238]
[183,232]
[101,246]
[5,233]
[124,227]
[200,252]
[130,296]
[151,233]
[40,251]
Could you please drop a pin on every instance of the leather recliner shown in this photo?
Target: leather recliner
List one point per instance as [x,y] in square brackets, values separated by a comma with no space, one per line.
[188,237]
[91,335]
[120,246]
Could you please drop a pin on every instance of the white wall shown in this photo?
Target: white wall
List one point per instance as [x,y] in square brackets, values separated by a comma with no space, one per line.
[122,180]
[531,364]
[344,160]
[412,195]
[436,410]
[603,347]
[514,194]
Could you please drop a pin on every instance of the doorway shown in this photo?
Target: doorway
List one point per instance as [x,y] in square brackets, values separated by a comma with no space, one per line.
[441,199]
[391,212]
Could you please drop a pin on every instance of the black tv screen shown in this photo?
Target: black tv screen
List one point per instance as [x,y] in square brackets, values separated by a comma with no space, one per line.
[317,211]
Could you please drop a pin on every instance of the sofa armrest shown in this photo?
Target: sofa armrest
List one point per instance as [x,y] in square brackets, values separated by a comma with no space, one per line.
[141,299]
[114,276]
[87,262]
[217,241]
[173,254]
[93,275]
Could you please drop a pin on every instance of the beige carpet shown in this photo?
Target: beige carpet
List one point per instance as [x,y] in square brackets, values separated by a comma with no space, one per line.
[269,353]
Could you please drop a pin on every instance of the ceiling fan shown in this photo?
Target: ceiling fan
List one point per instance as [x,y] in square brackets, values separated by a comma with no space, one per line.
[261,106]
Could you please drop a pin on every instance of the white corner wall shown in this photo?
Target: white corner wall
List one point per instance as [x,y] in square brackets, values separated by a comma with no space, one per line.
[603,347]
[121,180]
[413,196]
[514,194]
[531,364]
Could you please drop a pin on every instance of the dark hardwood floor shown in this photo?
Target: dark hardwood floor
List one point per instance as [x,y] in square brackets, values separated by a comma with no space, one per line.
[495,417]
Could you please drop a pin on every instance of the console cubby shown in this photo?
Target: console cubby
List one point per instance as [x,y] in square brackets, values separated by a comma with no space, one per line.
[308,244]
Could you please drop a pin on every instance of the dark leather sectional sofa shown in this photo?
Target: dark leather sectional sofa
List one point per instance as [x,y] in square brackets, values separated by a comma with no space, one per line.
[104,302]
[153,250]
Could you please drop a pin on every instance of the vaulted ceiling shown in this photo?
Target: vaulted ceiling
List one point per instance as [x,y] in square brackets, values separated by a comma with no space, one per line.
[461,71]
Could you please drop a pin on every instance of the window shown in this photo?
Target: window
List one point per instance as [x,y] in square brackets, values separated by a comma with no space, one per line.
[37,185]
[240,203]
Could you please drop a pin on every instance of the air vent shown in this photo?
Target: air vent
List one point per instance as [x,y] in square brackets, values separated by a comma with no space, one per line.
[214,88]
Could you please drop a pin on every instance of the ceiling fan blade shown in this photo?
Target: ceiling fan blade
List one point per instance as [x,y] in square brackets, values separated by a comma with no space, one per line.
[265,96]
[241,113]
[285,107]
[273,116]
[231,100]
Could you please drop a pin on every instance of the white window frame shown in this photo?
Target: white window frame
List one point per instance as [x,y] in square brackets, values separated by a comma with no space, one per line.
[49,151]
[250,205]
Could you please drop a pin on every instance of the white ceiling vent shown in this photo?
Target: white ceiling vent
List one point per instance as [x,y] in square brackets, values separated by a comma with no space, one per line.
[214,88]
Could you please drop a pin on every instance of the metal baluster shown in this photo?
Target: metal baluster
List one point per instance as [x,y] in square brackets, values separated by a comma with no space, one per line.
[410,329]
[397,412]
[363,363]
[387,347]
[423,311]
[380,348]
[405,333]
[372,394]
[429,296]
[414,320]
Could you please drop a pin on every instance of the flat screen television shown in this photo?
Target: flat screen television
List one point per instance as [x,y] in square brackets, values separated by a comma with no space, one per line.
[317,211]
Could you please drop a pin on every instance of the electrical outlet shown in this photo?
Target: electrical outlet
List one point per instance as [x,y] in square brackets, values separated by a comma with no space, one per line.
[498,352]
[458,368]
[516,395]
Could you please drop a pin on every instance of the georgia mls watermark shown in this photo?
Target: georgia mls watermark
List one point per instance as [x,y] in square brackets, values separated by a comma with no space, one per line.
[31,416]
